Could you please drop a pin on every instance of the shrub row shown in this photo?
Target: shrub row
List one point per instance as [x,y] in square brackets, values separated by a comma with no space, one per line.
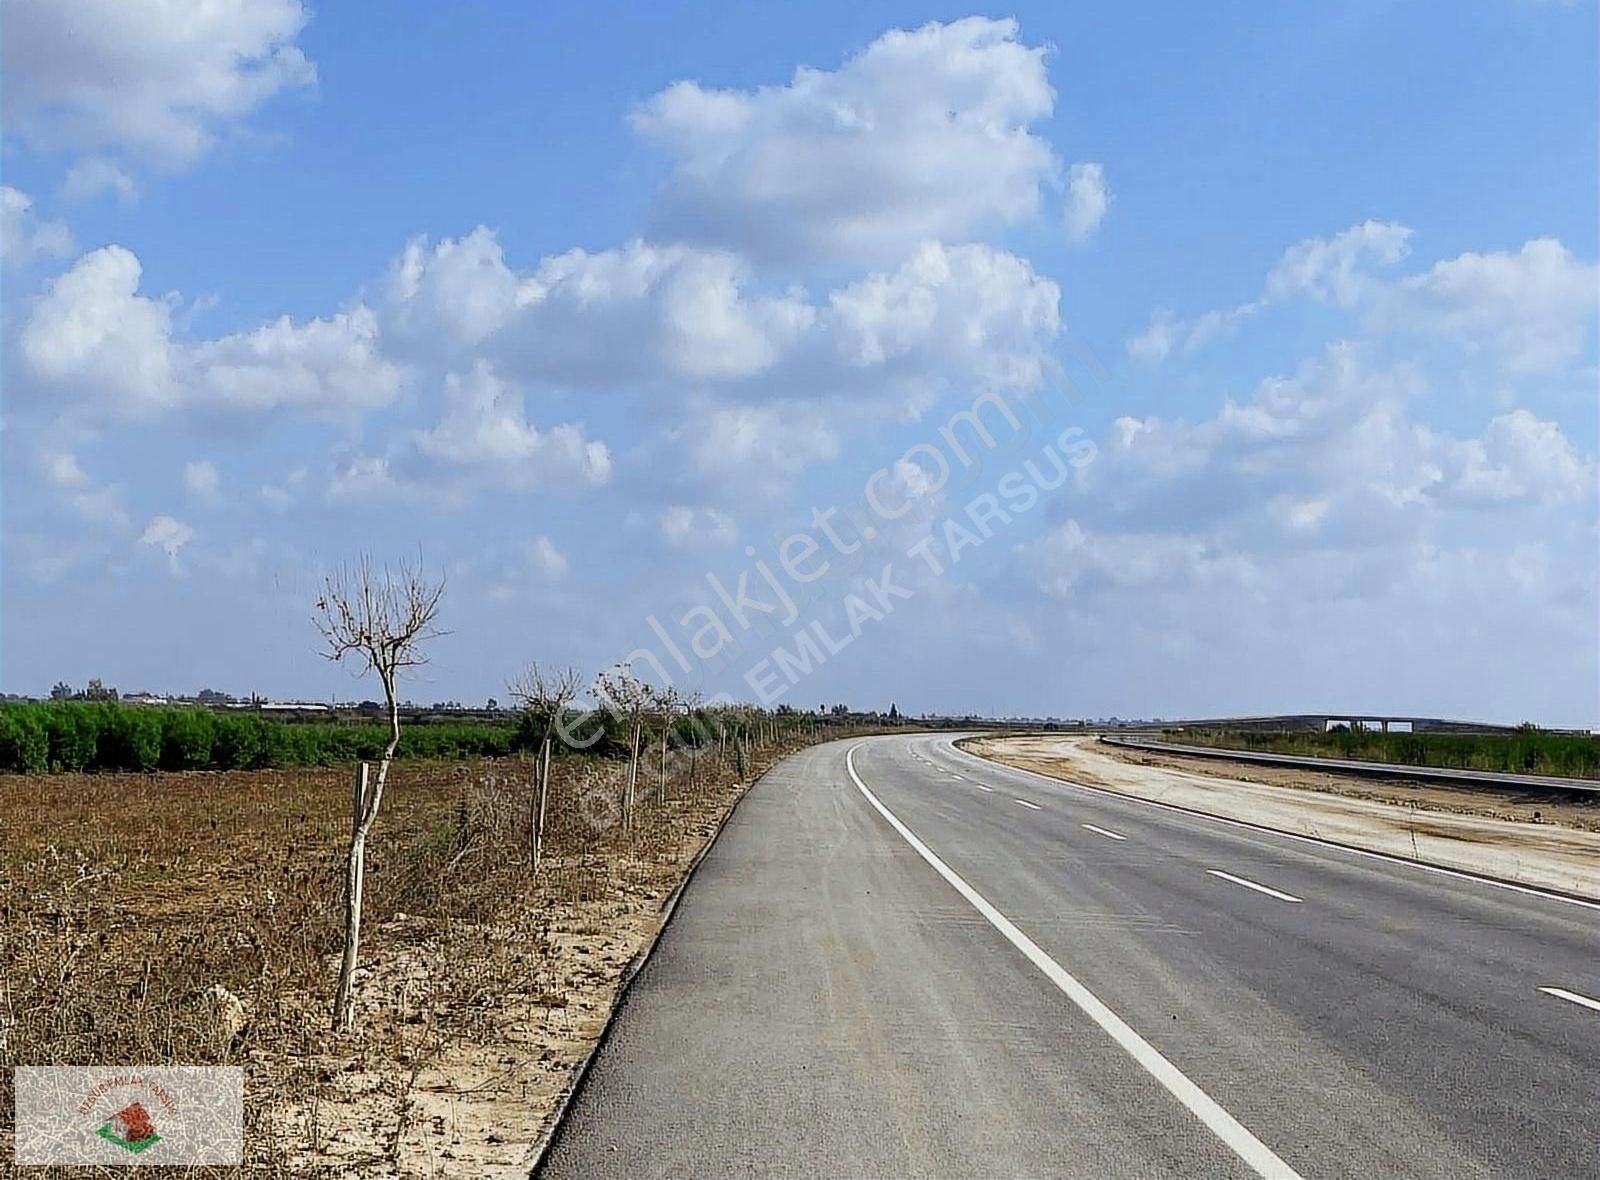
[105,735]
[84,735]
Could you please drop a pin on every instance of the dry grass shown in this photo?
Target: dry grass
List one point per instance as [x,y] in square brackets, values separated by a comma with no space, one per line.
[125,900]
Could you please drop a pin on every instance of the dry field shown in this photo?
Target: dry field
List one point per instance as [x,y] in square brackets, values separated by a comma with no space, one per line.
[195,919]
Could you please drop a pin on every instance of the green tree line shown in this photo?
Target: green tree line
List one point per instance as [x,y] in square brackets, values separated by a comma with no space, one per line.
[97,735]
[40,736]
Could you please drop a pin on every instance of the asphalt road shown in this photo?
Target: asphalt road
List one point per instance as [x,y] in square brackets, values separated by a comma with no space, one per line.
[903,961]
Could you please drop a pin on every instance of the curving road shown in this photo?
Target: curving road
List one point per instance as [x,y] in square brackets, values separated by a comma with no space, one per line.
[899,960]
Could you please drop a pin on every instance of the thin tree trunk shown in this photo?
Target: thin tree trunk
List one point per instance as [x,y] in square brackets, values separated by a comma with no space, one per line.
[536,803]
[661,775]
[343,1010]
[544,789]
[365,812]
[533,811]
[633,776]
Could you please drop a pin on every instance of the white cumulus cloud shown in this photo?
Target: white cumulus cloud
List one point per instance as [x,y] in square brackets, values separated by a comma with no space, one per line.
[1534,308]
[1336,270]
[676,318]
[93,339]
[547,560]
[1530,311]
[974,311]
[1088,198]
[93,175]
[92,333]
[167,534]
[156,80]
[925,134]
[683,527]
[482,439]
[23,235]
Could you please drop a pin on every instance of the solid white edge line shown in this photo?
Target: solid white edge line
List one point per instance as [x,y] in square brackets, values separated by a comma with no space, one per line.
[1025,803]
[1259,888]
[1110,835]
[1389,858]
[1230,1130]
[1562,993]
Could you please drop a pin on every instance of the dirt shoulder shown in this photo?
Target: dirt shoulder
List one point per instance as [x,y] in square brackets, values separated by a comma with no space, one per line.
[1519,837]
[478,1033]
[485,1027]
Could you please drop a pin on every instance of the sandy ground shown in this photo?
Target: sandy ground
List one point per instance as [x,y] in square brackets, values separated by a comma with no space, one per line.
[525,1001]
[475,1105]
[1514,836]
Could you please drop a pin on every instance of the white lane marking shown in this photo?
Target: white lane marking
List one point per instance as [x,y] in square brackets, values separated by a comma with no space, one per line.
[1281,896]
[1222,1124]
[1562,993]
[1025,803]
[1103,832]
[981,787]
[1334,845]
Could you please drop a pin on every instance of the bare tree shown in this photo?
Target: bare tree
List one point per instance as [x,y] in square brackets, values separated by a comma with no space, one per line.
[738,717]
[629,697]
[545,694]
[692,702]
[665,701]
[380,616]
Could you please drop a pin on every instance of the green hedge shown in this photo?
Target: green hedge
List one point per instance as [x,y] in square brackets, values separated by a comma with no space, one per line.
[92,735]
[105,735]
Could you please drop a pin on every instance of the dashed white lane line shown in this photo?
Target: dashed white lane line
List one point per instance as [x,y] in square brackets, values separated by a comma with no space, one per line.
[1025,803]
[1109,835]
[1223,1125]
[1562,993]
[986,790]
[1279,894]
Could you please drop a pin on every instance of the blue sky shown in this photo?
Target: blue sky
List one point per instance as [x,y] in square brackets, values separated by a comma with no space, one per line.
[588,306]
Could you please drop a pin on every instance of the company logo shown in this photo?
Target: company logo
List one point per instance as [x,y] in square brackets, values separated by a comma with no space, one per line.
[130,1129]
[135,1116]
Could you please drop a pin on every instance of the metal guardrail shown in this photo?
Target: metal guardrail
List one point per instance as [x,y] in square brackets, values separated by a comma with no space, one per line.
[1445,774]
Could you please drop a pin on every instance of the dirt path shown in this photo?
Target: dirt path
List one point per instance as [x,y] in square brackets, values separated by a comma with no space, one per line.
[1479,831]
